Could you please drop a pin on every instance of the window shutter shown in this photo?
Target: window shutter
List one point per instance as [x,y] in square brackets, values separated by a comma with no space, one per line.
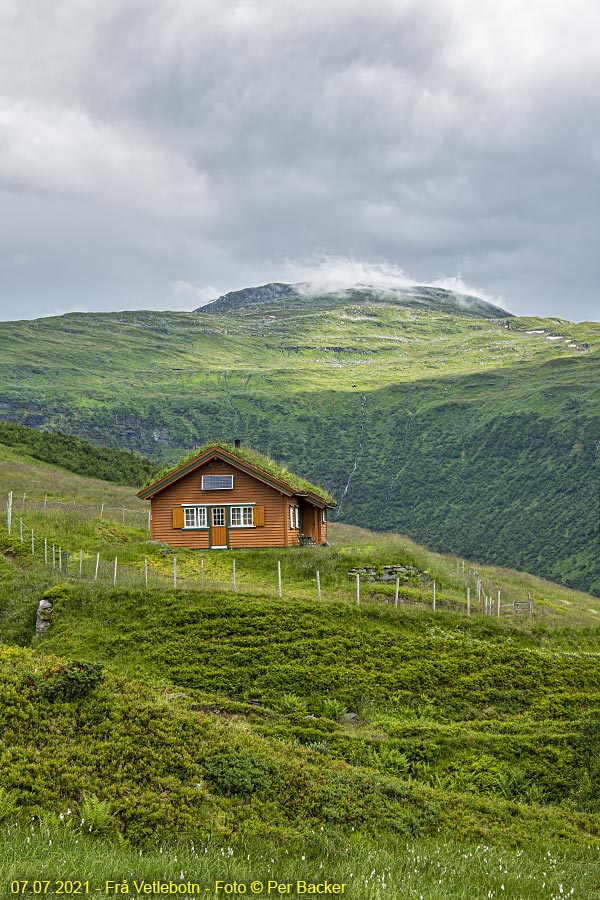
[259,515]
[178,517]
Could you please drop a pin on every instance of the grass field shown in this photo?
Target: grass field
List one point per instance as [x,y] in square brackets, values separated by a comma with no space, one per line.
[206,735]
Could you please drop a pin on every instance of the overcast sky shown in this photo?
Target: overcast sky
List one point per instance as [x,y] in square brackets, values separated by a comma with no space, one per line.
[157,154]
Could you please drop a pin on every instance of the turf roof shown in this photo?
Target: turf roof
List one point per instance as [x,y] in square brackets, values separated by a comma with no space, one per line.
[253,458]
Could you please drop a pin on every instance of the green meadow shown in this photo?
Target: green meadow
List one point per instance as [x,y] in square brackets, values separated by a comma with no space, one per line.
[220,734]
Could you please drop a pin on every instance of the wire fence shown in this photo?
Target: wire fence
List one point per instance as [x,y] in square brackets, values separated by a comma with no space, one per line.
[98,568]
[137,518]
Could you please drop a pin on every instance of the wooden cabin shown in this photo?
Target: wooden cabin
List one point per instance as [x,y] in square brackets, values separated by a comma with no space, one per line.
[234,497]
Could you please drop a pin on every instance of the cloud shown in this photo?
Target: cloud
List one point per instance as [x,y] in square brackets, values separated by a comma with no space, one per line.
[338,273]
[209,142]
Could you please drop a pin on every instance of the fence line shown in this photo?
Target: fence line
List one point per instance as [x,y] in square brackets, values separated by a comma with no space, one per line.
[133,574]
[37,504]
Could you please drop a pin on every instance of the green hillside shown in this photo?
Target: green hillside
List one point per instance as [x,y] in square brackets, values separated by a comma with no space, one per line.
[226,734]
[477,435]
[73,454]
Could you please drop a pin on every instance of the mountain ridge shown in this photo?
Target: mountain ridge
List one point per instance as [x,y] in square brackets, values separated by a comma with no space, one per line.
[303,294]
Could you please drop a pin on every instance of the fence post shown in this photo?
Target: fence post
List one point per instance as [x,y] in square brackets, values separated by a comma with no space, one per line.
[60,559]
[32,543]
[21,530]
[115,574]
[396,593]
[53,557]
[9,511]
[175,573]
[102,510]
[46,551]
[202,568]
[80,561]
[279,578]
[123,515]
[318,585]
[23,503]
[96,569]
[234,577]
[45,500]
[146,572]
[468,601]
[433,593]
[498,604]
[358,589]
[530,606]
[67,557]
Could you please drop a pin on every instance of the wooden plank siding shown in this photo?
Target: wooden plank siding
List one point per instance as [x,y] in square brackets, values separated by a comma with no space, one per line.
[246,490]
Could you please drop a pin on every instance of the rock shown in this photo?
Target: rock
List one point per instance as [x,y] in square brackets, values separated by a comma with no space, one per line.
[44,616]
[349,719]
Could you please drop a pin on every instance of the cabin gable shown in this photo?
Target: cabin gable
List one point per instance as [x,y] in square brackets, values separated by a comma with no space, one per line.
[217,500]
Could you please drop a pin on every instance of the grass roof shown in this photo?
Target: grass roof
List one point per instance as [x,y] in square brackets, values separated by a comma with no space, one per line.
[254,458]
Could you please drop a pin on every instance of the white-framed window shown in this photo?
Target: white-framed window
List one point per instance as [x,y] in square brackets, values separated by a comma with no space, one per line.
[217,482]
[242,516]
[295,517]
[194,517]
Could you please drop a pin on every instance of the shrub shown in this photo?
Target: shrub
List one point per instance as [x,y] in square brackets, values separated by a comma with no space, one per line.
[242,773]
[71,680]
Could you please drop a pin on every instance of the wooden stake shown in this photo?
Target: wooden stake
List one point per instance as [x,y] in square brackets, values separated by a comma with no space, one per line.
[202,567]
[45,500]
[53,557]
[80,562]
[97,564]
[234,578]
[67,558]
[59,559]
[433,595]
[318,585]
[357,589]
[396,593]
[9,503]
[498,604]
[279,586]
[175,572]
[146,572]
[46,551]
[32,543]
[468,601]
[102,510]
[115,573]
[21,529]
[123,515]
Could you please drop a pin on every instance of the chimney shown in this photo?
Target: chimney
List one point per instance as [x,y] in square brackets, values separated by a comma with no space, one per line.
[237,443]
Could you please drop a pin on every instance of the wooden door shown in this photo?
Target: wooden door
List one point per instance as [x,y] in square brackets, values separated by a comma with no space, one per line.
[218,525]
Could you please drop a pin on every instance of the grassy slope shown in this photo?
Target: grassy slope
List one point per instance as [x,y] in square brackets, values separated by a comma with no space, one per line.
[466,729]
[469,435]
